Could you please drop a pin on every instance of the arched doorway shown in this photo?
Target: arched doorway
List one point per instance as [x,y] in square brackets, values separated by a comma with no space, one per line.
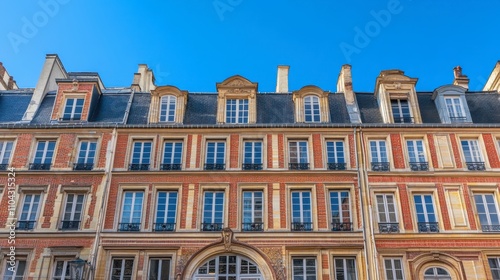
[228,267]
[436,273]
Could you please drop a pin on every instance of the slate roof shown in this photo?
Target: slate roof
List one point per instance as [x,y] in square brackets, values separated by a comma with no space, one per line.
[13,104]
[139,108]
[428,110]
[44,112]
[201,109]
[484,107]
[111,107]
[368,108]
[275,108]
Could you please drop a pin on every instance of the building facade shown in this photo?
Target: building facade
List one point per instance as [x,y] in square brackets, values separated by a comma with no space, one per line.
[156,182]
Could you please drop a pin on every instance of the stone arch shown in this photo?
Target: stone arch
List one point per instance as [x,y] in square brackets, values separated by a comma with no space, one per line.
[436,259]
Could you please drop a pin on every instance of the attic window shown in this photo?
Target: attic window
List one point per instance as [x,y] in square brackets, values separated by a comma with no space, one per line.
[237,111]
[73,109]
[401,112]
[167,108]
[311,109]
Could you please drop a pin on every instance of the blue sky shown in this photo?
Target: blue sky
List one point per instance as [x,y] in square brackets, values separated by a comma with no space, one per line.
[193,44]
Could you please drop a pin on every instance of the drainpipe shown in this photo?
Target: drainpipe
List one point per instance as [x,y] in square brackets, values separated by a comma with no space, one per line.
[100,224]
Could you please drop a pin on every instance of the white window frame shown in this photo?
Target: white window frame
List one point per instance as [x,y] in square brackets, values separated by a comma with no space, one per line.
[334,150]
[400,112]
[141,152]
[304,267]
[66,269]
[130,218]
[339,202]
[167,114]
[6,151]
[254,200]
[74,202]
[473,151]
[496,260]
[253,152]
[298,149]
[344,267]
[419,155]
[173,152]
[73,114]
[377,155]
[45,150]
[87,157]
[392,269]
[15,275]
[240,111]
[385,205]
[487,209]
[303,216]
[454,109]
[435,275]
[122,267]
[215,158]
[161,262]
[31,211]
[312,110]
[166,217]
[213,217]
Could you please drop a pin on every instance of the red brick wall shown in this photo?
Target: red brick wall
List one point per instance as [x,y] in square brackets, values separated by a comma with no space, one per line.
[233,205]
[456,151]
[269,151]
[432,150]
[444,209]
[317,150]
[199,151]
[121,151]
[405,207]
[269,203]
[352,151]
[491,151]
[397,151]
[106,137]
[189,150]
[59,102]
[65,149]
[21,155]
[234,151]
[281,150]
[321,206]
[469,200]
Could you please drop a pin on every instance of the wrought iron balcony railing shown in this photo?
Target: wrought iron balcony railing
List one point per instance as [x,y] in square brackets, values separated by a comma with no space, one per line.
[252,226]
[403,119]
[428,227]
[70,225]
[212,226]
[252,166]
[341,226]
[164,226]
[25,225]
[40,166]
[458,119]
[419,166]
[129,226]
[170,166]
[336,166]
[74,118]
[83,166]
[388,227]
[3,166]
[490,228]
[215,166]
[380,166]
[298,166]
[298,226]
[138,166]
[475,166]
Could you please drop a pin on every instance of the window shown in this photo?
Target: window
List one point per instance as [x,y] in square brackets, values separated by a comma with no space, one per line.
[141,155]
[213,211]
[401,111]
[304,268]
[166,211]
[340,207]
[61,270]
[495,267]
[487,210]
[252,211]
[86,155]
[335,154]
[455,109]
[393,269]
[387,218]
[131,211]
[216,153]
[436,273]
[29,212]
[311,109]
[299,158]
[228,267]
[43,155]
[237,111]
[72,211]
[172,156]
[159,269]
[5,151]
[345,268]
[253,155]
[167,108]
[15,272]
[426,216]
[301,211]
[73,109]
[378,152]
[122,269]
[416,155]
[472,154]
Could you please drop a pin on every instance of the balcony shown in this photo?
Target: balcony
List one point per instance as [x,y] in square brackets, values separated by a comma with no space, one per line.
[212,226]
[83,166]
[252,166]
[490,228]
[380,166]
[25,225]
[138,166]
[3,166]
[475,166]
[419,166]
[428,227]
[164,226]
[129,226]
[68,119]
[215,166]
[403,120]
[40,166]
[252,227]
[459,119]
[298,166]
[388,227]
[170,166]
[298,226]
[336,166]
[341,226]
[70,225]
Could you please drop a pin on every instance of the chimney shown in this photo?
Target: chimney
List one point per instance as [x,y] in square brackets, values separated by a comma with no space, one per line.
[460,79]
[344,85]
[146,78]
[135,82]
[282,81]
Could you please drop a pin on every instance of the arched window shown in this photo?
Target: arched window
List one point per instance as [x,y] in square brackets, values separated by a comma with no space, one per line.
[167,108]
[436,273]
[311,109]
[228,267]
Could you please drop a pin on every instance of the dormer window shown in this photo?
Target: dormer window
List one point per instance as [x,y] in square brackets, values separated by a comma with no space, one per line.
[236,102]
[73,109]
[455,110]
[401,111]
[311,105]
[237,111]
[451,104]
[167,108]
[311,109]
